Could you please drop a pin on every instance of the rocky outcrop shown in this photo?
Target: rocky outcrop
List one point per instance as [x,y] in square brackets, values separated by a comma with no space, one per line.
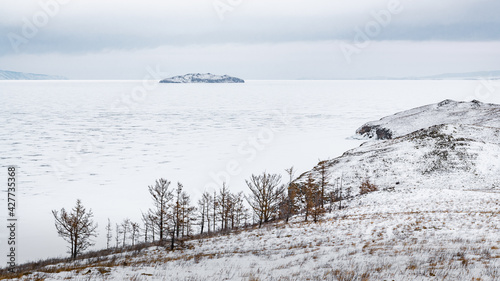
[375,131]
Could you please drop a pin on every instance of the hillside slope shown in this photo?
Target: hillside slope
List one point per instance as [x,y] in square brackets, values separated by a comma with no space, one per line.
[442,156]
[407,234]
[445,112]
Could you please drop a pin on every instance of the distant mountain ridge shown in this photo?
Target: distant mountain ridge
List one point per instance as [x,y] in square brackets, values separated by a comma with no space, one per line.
[13,75]
[490,75]
[202,78]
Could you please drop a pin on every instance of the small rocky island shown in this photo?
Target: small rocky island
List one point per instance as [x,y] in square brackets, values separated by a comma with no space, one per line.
[202,78]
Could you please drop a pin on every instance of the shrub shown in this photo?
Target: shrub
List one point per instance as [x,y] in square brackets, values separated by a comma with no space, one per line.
[367,187]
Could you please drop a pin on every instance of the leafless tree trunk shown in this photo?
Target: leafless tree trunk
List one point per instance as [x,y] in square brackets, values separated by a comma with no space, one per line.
[147,220]
[215,209]
[187,212]
[324,179]
[223,206]
[290,196]
[134,228]
[117,235]
[208,200]
[202,208]
[109,234]
[125,228]
[177,210]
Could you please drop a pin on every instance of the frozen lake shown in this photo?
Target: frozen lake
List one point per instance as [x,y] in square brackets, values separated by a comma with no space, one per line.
[106,141]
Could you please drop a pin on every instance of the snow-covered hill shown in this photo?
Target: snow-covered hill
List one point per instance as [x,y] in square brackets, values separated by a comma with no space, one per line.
[12,75]
[445,112]
[441,156]
[202,78]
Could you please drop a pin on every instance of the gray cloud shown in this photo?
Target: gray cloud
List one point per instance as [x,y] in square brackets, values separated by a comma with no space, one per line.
[257,39]
[94,26]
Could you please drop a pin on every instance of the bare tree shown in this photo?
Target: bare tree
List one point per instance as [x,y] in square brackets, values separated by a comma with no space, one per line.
[317,210]
[265,193]
[109,234]
[238,210]
[324,178]
[161,196]
[149,230]
[134,232]
[311,195]
[176,210]
[209,201]
[202,207]
[76,227]
[288,204]
[222,201]
[215,206]
[338,194]
[117,235]
[125,228]
[187,214]
[205,205]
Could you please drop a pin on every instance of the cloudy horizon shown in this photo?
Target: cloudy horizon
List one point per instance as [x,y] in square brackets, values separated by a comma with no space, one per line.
[252,39]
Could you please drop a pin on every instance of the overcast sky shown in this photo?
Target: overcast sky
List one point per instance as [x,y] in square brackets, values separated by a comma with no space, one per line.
[251,39]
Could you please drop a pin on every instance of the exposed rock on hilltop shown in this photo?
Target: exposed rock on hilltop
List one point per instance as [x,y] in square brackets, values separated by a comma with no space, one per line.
[442,156]
[202,78]
[445,112]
